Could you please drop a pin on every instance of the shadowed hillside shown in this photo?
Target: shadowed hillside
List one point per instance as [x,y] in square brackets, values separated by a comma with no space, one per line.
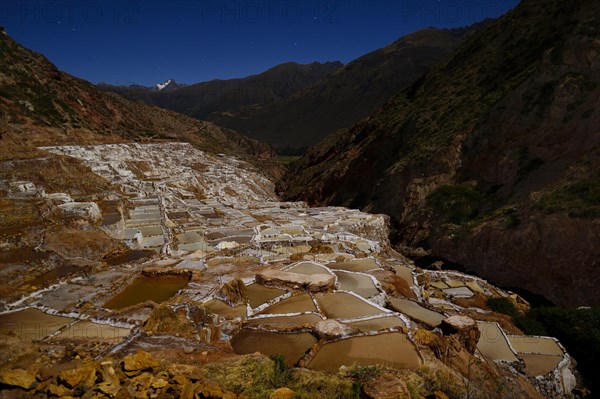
[491,160]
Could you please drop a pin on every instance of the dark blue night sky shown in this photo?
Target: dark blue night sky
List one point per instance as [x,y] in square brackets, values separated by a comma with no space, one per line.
[147,42]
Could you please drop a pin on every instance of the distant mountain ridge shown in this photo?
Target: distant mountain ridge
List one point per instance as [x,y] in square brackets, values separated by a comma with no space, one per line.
[350,94]
[201,99]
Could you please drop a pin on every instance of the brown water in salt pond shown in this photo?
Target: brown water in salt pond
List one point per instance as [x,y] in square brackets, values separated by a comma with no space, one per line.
[340,305]
[284,322]
[391,349]
[297,304]
[259,294]
[540,364]
[291,346]
[157,289]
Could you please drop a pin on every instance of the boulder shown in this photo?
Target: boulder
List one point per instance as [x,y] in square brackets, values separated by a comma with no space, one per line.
[17,378]
[58,390]
[386,386]
[313,283]
[333,328]
[84,376]
[142,360]
[81,210]
[464,328]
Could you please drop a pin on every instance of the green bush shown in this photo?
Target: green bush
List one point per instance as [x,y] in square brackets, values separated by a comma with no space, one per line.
[455,204]
[580,198]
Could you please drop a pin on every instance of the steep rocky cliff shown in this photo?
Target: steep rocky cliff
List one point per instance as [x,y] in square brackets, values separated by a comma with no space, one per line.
[491,159]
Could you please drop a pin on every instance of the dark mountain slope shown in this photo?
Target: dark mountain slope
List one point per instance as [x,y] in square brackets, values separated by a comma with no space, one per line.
[200,99]
[347,96]
[40,105]
[492,160]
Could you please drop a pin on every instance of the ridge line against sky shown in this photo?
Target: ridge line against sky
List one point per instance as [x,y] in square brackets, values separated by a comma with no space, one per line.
[146,42]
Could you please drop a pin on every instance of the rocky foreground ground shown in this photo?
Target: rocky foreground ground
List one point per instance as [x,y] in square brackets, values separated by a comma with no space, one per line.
[157,270]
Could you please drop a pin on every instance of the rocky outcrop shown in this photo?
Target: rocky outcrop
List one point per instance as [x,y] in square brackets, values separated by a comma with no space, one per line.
[386,386]
[141,360]
[464,329]
[311,283]
[81,210]
[333,328]
[18,378]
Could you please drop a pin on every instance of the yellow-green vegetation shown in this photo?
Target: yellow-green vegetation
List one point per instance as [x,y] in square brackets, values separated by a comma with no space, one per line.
[580,198]
[455,204]
[164,320]
[257,377]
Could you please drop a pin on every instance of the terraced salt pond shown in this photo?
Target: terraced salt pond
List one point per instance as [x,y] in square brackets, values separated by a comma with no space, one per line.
[292,346]
[285,322]
[360,284]
[392,349]
[341,305]
[358,265]
[416,311]
[221,308]
[31,324]
[156,289]
[540,354]
[259,294]
[377,324]
[88,330]
[302,303]
[308,268]
[493,343]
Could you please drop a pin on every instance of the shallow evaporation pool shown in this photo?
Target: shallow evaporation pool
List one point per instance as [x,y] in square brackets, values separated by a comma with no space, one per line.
[392,349]
[302,303]
[157,289]
[357,265]
[416,311]
[292,346]
[493,344]
[221,308]
[87,330]
[129,256]
[531,344]
[285,322]
[540,354]
[358,283]
[259,294]
[377,324]
[308,268]
[537,365]
[31,324]
[341,305]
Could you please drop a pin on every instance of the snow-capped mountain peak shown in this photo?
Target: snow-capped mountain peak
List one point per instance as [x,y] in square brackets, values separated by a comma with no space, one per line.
[167,85]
